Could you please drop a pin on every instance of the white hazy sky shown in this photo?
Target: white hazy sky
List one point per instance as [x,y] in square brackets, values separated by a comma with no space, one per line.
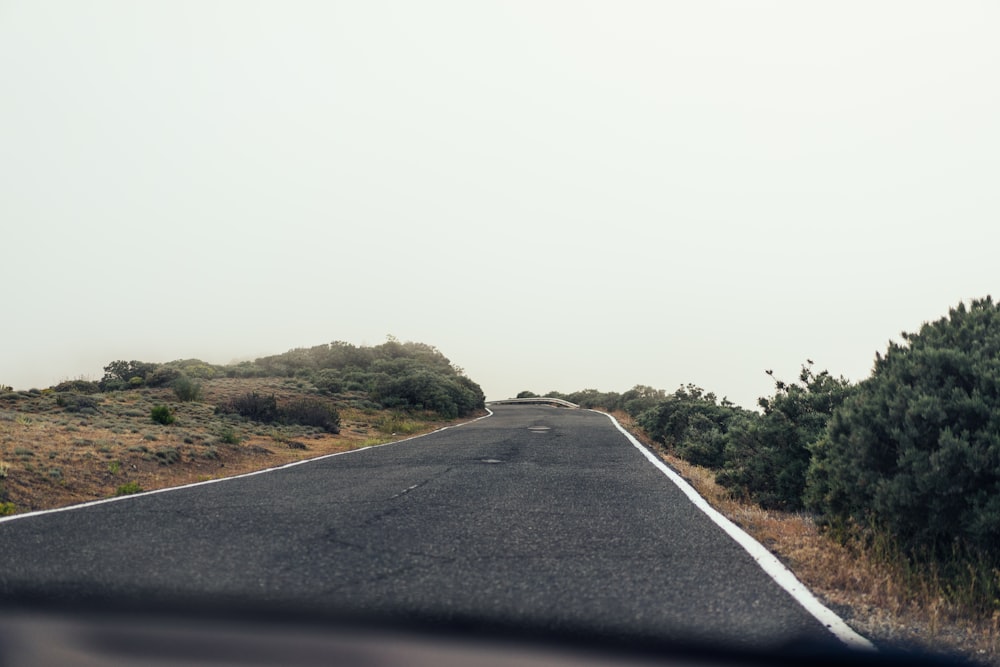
[558,195]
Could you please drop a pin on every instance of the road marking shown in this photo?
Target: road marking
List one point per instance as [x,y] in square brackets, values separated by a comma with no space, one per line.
[764,558]
[116,499]
[406,490]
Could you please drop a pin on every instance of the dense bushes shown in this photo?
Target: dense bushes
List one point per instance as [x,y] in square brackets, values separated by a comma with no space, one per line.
[917,450]
[260,408]
[133,374]
[394,375]
[761,456]
[253,406]
[76,402]
[692,423]
[766,456]
[427,390]
[123,374]
[77,386]
[311,413]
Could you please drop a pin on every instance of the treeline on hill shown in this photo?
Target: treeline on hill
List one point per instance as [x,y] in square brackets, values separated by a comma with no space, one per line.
[909,457]
[403,376]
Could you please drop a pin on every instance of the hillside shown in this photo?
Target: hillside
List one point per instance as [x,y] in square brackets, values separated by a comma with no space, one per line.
[84,440]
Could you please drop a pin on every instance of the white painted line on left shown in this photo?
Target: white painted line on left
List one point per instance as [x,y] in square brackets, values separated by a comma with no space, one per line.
[68,508]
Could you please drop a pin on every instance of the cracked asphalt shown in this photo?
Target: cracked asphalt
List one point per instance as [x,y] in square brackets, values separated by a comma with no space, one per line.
[537,516]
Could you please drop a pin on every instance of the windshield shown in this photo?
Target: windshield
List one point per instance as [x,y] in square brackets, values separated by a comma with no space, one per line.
[243,235]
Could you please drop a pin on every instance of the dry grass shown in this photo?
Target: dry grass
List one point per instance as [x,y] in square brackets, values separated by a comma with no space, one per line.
[51,457]
[878,599]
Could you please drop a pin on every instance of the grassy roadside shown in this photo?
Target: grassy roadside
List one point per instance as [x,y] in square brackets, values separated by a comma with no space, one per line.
[876,597]
[53,455]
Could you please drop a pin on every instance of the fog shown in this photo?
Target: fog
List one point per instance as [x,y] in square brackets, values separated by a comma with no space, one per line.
[557,195]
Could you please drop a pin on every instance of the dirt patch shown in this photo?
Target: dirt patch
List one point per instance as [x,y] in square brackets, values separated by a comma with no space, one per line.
[56,451]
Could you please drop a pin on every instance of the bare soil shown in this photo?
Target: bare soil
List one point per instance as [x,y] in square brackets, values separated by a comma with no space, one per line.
[53,456]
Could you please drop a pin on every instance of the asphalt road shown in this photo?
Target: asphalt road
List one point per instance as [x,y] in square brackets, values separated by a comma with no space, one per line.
[537,516]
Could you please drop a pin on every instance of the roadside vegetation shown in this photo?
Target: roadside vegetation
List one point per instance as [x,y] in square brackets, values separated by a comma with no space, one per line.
[892,483]
[144,425]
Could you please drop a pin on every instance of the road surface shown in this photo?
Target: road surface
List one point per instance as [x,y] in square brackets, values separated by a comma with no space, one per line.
[536,517]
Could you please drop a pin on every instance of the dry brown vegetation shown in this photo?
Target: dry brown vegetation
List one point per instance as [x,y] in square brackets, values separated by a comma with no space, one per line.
[877,597]
[52,456]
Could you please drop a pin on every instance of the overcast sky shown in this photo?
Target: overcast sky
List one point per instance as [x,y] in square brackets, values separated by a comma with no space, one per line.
[558,195]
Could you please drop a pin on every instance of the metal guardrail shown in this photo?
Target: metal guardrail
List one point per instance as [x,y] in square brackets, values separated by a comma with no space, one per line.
[538,400]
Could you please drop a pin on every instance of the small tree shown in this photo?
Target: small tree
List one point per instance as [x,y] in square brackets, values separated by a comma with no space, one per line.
[121,374]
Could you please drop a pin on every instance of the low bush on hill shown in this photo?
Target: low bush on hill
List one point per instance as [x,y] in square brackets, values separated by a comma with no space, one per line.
[265,409]
[410,376]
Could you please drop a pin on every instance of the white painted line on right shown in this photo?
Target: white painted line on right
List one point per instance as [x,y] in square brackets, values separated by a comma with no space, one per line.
[767,561]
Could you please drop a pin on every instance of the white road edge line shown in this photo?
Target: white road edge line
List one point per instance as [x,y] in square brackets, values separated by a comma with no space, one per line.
[68,508]
[764,558]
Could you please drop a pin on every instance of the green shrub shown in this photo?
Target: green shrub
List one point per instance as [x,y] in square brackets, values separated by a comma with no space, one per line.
[78,387]
[161,415]
[187,389]
[640,398]
[398,424]
[422,389]
[162,376]
[252,406]
[265,409]
[72,402]
[196,368]
[765,457]
[917,451]
[7,508]
[328,380]
[128,488]
[168,456]
[229,436]
[690,422]
[311,412]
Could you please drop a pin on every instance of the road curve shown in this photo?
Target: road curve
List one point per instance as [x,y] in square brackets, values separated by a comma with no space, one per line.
[537,516]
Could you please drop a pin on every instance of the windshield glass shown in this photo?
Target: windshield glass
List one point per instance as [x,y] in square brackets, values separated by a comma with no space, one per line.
[238,236]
